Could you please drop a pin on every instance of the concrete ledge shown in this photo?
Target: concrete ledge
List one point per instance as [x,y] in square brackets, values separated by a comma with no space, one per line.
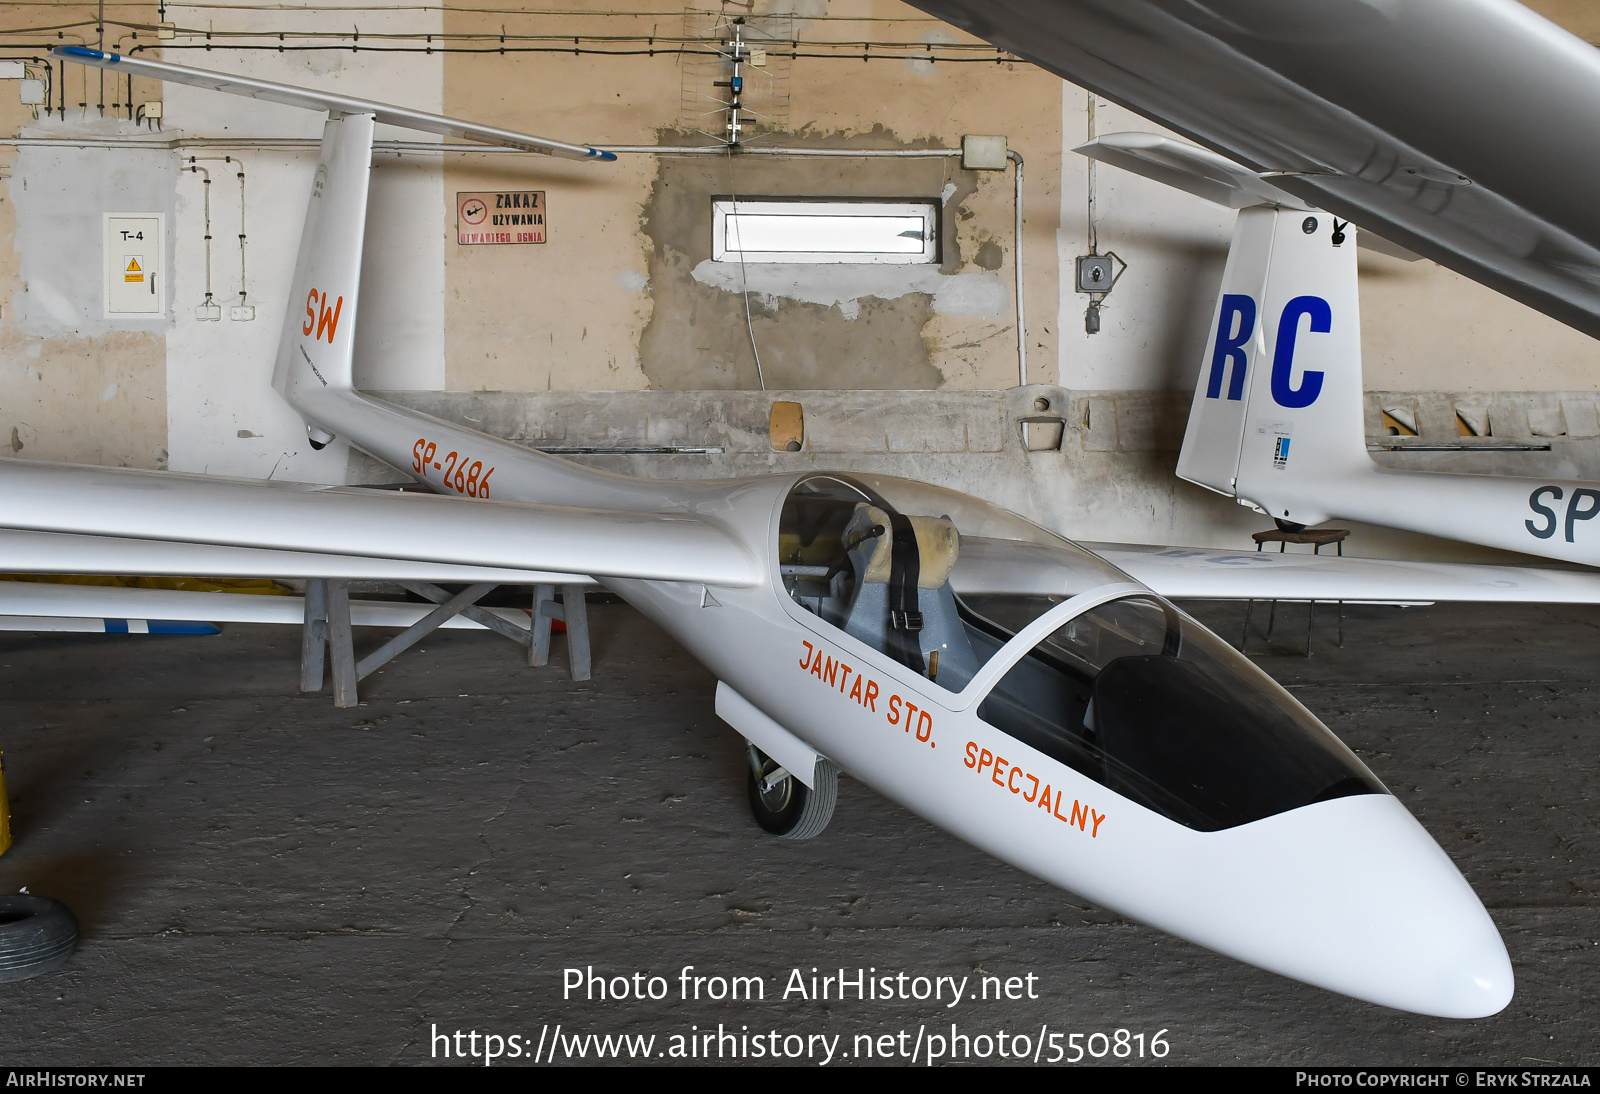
[1561,430]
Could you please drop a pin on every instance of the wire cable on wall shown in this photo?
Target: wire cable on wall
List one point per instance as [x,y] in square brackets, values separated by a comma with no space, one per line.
[744,275]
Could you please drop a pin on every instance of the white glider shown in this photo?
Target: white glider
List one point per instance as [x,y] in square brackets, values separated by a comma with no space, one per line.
[1006,684]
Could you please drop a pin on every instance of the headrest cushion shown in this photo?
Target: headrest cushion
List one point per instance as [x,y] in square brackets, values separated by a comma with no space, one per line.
[938,546]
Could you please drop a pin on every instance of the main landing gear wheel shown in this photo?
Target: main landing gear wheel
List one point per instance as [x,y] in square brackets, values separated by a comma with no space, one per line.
[784,805]
[36,936]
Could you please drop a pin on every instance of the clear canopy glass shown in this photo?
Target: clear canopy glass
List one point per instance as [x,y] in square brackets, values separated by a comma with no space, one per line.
[835,548]
[1144,700]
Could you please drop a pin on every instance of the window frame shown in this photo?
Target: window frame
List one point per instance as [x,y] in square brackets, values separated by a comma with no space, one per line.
[928,209]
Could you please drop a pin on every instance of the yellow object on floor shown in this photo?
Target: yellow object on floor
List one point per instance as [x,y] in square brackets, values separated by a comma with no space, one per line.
[186,584]
[5,810]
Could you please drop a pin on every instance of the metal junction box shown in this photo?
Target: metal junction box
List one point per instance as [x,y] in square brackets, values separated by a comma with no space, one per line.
[1095,273]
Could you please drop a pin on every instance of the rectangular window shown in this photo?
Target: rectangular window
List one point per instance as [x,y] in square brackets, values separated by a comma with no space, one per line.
[808,230]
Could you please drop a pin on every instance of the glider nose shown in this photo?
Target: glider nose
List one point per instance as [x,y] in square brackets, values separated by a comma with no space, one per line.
[1448,959]
[1488,985]
[1370,906]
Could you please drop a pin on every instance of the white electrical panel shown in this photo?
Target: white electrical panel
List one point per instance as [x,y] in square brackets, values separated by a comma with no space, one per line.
[135,282]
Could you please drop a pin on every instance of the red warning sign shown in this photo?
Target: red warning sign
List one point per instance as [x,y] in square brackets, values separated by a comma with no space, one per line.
[517,216]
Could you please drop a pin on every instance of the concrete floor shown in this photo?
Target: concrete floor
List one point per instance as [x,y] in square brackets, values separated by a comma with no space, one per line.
[262,878]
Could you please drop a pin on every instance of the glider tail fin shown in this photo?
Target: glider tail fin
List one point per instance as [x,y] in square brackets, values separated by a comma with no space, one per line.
[316,348]
[1277,410]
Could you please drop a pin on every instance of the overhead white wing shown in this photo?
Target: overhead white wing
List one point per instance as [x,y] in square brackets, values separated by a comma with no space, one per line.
[1196,573]
[1467,131]
[396,529]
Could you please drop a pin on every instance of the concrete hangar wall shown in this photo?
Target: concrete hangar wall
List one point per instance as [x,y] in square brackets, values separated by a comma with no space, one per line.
[622,330]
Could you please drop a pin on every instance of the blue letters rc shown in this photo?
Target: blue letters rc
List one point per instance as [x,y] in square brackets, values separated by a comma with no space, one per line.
[1321,316]
[1234,327]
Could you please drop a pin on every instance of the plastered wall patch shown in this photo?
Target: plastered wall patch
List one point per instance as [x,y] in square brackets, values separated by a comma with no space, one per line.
[844,285]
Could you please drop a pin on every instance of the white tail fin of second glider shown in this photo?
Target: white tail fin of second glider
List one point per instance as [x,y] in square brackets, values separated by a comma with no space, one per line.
[1277,419]
[1278,404]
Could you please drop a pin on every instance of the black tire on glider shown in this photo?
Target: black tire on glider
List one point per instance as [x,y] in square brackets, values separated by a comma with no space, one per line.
[793,810]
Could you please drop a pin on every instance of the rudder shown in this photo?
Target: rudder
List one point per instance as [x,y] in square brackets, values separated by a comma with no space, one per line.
[1287,318]
[316,347]
[1215,433]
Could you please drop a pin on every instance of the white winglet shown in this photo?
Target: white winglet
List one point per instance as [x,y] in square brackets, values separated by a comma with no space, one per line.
[321,100]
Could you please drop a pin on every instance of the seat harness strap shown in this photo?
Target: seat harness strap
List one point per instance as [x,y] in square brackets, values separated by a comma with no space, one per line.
[905,568]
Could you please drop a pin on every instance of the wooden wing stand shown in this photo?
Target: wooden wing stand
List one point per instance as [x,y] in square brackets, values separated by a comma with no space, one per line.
[1318,538]
[327,633]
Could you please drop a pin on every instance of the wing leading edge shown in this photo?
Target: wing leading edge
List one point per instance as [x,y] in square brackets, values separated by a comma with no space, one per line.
[1196,573]
[397,532]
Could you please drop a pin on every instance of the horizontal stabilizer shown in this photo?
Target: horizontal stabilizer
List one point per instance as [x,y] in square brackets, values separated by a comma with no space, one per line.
[361,524]
[1195,573]
[1189,168]
[289,95]
[1203,173]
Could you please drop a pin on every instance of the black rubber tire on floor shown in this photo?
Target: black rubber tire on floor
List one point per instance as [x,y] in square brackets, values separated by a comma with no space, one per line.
[37,935]
[793,810]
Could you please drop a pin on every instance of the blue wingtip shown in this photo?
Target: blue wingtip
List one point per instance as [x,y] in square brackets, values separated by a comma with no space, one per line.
[85,51]
[176,626]
[600,155]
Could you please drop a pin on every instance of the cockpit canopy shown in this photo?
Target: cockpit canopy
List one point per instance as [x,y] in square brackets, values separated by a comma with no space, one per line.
[1143,699]
[839,540]
[1132,692]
